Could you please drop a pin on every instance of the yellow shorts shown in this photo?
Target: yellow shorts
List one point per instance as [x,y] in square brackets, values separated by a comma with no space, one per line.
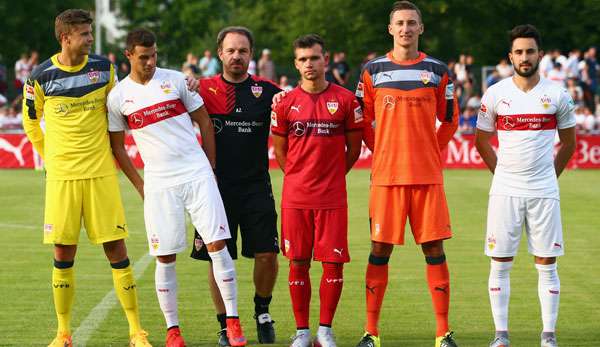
[95,200]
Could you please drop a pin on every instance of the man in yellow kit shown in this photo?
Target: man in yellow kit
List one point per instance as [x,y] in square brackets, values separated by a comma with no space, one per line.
[69,90]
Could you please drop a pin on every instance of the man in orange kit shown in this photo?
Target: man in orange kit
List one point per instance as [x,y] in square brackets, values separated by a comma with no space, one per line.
[403,93]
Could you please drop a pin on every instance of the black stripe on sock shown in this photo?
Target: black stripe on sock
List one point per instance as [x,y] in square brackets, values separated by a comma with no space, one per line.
[120,265]
[436,260]
[63,264]
[375,260]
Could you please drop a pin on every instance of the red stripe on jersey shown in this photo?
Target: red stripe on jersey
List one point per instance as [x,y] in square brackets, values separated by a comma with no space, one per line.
[526,122]
[155,113]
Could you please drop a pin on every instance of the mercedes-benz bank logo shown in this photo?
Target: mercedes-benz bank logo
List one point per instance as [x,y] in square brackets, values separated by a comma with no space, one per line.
[508,123]
[218,125]
[137,119]
[299,128]
[389,102]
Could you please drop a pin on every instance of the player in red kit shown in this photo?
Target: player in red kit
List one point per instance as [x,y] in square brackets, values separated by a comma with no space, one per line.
[318,130]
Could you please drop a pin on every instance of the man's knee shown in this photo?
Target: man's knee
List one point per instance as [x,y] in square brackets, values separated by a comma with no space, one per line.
[380,249]
[166,259]
[265,258]
[65,253]
[433,249]
[216,246]
[115,251]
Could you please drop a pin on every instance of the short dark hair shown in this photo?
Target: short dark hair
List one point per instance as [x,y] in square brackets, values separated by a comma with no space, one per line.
[236,30]
[307,41]
[140,37]
[405,5]
[66,19]
[525,31]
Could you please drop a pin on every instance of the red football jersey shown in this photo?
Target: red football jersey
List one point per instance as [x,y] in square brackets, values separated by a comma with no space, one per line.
[315,126]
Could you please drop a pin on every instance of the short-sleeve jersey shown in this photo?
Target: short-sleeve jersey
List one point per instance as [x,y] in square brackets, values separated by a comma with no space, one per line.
[240,113]
[72,100]
[157,114]
[315,126]
[401,102]
[526,123]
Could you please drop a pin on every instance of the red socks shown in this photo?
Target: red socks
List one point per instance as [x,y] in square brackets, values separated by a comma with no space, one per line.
[330,291]
[299,283]
[438,280]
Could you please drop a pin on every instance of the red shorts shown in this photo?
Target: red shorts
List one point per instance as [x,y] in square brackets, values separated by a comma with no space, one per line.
[424,205]
[324,231]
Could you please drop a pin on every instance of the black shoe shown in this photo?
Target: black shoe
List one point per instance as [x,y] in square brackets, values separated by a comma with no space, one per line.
[223,340]
[264,328]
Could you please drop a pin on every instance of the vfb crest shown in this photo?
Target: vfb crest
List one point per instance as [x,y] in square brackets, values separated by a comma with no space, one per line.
[94,76]
[256,91]
[332,106]
[426,76]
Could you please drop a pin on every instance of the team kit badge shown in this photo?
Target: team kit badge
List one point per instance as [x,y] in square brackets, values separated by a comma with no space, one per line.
[94,76]
[256,91]
[332,106]
[426,76]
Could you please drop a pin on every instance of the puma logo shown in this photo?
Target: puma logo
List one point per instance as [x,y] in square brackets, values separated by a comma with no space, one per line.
[214,90]
[388,75]
[122,227]
[15,150]
[371,289]
[295,108]
[129,287]
[338,251]
[441,289]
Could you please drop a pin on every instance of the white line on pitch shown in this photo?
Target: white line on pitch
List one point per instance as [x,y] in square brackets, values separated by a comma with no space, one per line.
[99,313]
[21,226]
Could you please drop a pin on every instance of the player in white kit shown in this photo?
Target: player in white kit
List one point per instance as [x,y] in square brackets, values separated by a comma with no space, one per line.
[158,109]
[525,110]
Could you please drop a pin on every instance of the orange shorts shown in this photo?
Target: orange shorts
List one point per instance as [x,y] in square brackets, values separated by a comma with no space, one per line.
[424,205]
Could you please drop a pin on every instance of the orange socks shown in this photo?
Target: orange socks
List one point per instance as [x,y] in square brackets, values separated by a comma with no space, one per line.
[438,280]
[376,283]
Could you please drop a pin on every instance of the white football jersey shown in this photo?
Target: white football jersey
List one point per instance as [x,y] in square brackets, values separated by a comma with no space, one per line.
[157,114]
[526,123]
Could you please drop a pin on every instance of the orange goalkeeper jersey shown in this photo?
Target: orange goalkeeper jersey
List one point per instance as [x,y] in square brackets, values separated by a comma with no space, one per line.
[401,101]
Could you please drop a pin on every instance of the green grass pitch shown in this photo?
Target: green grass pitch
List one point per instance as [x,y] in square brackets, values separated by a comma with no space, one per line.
[27,314]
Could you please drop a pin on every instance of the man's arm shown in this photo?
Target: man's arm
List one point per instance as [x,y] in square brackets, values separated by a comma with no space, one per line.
[117,143]
[33,108]
[353,146]
[280,144]
[447,112]
[482,143]
[365,94]
[207,131]
[567,148]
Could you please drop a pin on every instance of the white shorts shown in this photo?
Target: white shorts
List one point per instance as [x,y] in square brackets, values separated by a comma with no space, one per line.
[164,214]
[505,220]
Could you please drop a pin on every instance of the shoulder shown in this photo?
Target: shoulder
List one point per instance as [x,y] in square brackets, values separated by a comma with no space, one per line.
[265,83]
[174,75]
[341,92]
[436,65]
[99,62]
[379,64]
[42,69]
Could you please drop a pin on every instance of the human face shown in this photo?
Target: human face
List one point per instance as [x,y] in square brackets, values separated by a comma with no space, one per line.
[235,54]
[525,56]
[142,61]
[311,62]
[406,27]
[79,39]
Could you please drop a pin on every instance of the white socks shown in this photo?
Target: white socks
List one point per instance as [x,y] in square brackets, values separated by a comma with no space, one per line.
[165,280]
[225,276]
[499,290]
[549,293]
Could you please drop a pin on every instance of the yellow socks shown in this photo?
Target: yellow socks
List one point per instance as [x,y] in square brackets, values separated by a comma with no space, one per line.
[126,291]
[63,290]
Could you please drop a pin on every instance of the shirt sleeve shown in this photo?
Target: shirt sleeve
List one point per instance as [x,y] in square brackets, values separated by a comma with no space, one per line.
[33,108]
[354,119]
[366,97]
[190,98]
[279,122]
[447,110]
[116,120]
[565,114]
[486,117]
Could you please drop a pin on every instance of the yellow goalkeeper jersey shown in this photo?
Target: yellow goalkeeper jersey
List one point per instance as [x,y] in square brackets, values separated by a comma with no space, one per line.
[72,101]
